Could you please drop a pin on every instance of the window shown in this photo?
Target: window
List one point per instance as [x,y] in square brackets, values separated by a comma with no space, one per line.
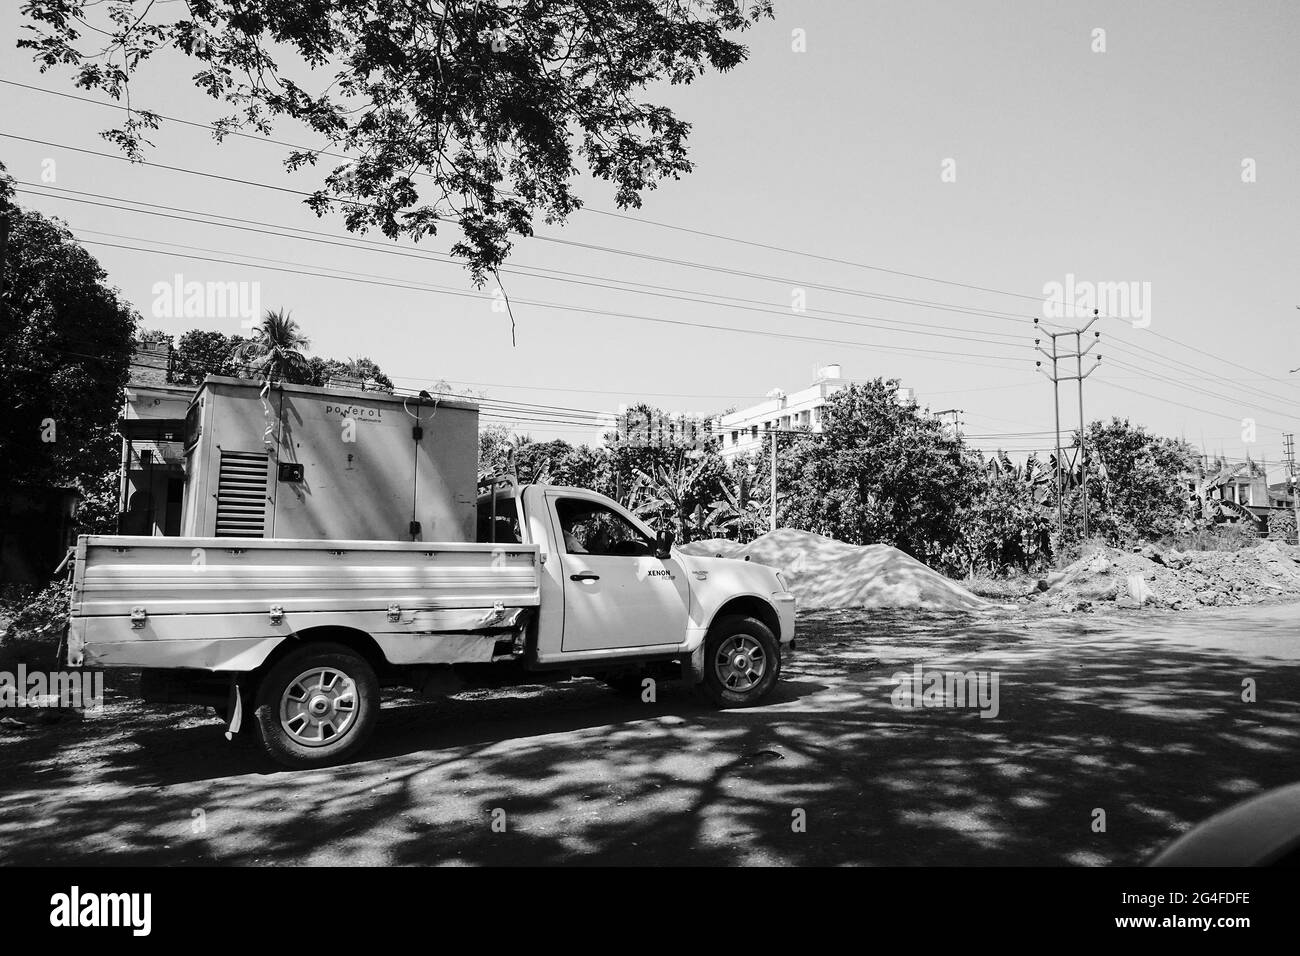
[753,431]
[506,530]
[735,437]
[592,528]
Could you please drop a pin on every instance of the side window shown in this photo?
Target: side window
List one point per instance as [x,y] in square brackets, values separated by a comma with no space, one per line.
[592,528]
[506,529]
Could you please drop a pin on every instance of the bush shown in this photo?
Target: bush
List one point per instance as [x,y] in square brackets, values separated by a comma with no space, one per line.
[38,616]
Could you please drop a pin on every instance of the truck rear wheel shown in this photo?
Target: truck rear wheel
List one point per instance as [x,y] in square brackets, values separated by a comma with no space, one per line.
[317,706]
[742,661]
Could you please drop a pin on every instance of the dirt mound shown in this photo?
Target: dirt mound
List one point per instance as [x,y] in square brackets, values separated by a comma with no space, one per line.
[825,573]
[1177,579]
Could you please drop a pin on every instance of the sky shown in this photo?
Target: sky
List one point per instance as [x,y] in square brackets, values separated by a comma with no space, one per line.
[961,156]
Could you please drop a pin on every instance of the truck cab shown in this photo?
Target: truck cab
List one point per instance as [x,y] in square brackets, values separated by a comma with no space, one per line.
[613,589]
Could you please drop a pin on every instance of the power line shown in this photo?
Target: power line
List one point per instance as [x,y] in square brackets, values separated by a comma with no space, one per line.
[685,263]
[1200,391]
[415,287]
[866,321]
[601,212]
[797,283]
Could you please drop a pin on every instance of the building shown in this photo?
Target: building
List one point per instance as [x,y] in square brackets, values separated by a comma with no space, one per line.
[743,432]
[1239,491]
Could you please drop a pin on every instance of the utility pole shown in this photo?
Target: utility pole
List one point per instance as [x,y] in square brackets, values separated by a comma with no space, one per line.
[956,414]
[1288,446]
[1083,445]
[1056,378]
[4,249]
[774,435]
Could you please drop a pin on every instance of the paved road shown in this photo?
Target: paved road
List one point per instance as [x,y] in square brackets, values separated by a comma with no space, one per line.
[1140,717]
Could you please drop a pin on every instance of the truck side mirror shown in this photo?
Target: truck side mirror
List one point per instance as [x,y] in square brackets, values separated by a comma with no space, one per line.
[664,544]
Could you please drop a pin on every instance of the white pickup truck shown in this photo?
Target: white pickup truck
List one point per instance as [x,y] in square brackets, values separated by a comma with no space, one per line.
[292,639]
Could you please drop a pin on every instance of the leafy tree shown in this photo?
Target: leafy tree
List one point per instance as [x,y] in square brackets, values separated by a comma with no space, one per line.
[490,101]
[493,450]
[1136,484]
[275,352]
[202,352]
[362,369]
[65,353]
[552,462]
[1012,518]
[880,471]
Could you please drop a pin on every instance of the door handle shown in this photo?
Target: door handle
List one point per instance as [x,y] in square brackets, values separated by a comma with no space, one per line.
[584,576]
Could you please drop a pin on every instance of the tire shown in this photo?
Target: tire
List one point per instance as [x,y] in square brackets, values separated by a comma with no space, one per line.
[317,706]
[742,662]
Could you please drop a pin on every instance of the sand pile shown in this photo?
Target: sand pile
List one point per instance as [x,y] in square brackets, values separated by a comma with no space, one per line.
[825,573]
[1177,579]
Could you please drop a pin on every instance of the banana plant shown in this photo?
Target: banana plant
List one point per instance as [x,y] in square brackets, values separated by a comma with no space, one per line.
[737,514]
[667,493]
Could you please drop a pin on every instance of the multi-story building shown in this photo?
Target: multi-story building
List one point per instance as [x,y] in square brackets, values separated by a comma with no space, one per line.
[743,432]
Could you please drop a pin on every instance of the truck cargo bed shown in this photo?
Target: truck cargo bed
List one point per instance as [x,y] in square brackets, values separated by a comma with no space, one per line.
[224,603]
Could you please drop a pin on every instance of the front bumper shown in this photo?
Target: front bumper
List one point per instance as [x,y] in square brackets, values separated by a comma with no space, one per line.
[784,603]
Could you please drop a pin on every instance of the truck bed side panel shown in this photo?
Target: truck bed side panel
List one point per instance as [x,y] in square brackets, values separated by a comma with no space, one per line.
[225,603]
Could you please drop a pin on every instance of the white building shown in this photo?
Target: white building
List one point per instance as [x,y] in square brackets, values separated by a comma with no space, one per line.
[742,432]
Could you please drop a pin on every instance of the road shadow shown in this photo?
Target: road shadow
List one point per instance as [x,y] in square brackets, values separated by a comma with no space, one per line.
[1106,745]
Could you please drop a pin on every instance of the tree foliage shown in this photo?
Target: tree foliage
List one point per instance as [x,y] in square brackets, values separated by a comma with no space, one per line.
[65,352]
[276,351]
[1010,520]
[362,370]
[1137,484]
[470,111]
[879,472]
[202,352]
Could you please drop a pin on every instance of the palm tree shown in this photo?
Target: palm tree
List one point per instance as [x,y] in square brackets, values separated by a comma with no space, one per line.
[275,351]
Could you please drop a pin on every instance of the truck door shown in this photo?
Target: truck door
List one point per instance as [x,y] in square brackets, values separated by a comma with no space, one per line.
[616,592]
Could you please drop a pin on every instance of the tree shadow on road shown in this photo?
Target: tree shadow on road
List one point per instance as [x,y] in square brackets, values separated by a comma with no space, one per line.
[1092,720]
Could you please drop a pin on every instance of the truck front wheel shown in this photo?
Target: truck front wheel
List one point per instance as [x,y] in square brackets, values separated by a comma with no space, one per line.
[317,706]
[742,661]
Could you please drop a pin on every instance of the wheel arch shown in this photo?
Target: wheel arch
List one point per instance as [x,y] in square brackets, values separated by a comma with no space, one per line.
[352,638]
[750,605]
